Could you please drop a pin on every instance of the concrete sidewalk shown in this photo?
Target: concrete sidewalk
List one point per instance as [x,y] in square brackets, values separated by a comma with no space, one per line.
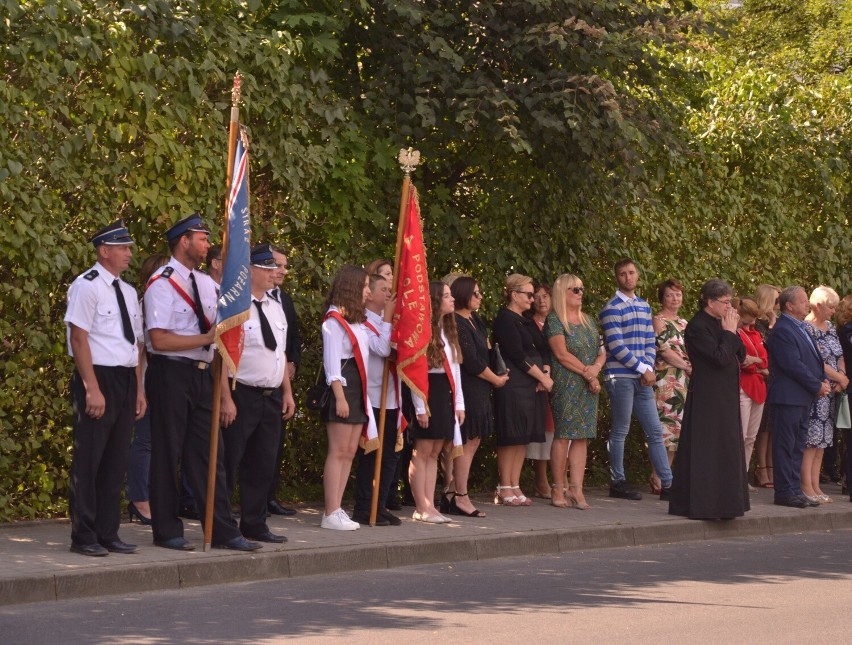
[37,565]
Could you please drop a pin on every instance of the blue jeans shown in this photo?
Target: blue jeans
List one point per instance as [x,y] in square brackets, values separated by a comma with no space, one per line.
[628,396]
[140,460]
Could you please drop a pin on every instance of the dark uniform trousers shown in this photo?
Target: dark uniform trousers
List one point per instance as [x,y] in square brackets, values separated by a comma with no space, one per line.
[181,399]
[101,451]
[250,452]
[367,465]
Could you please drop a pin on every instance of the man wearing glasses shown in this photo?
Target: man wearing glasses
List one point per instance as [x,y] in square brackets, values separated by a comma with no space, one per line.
[629,379]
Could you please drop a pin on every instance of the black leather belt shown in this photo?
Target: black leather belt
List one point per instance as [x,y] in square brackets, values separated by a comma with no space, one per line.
[202,365]
[263,391]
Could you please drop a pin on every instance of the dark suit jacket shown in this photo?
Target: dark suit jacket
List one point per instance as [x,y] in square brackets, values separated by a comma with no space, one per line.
[796,368]
[294,337]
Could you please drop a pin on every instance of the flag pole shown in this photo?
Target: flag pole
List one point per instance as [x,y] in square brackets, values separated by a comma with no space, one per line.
[408,161]
[217,358]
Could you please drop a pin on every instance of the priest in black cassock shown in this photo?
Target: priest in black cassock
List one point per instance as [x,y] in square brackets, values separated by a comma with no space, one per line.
[710,480]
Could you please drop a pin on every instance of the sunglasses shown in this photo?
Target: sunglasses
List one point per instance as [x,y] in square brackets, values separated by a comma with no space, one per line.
[577,290]
[528,294]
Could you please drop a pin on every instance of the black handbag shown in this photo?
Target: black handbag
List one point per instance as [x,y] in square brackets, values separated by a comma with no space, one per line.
[498,365]
[319,393]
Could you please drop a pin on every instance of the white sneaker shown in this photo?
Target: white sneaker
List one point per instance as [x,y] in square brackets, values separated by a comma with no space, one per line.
[339,521]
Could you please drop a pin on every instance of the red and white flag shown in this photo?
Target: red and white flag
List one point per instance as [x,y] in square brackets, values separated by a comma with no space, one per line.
[412,320]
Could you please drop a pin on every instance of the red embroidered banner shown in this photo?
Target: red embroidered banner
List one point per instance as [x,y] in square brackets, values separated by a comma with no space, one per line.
[412,327]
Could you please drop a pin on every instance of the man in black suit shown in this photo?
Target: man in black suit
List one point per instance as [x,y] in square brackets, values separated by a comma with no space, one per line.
[798,378]
[294,353]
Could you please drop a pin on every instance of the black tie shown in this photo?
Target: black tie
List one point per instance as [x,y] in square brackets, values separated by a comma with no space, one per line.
[265,329]
[199,309]
[125,317]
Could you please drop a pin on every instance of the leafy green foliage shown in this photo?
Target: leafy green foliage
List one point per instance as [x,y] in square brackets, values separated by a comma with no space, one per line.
[556,135]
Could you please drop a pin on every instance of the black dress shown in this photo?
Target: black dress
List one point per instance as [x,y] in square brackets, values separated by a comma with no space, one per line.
[710,480]
[479,414]
[519,414]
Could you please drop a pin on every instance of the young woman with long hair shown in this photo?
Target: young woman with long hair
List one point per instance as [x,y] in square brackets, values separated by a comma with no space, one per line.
[345,353]
[434,426]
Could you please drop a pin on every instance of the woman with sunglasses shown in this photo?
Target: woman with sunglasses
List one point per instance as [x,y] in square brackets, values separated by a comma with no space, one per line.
[519,413]
[477,380]
[579,357]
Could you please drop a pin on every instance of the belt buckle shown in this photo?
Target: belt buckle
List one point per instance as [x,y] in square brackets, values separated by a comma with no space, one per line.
[201,365]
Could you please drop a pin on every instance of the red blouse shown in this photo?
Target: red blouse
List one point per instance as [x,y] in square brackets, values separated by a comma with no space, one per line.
[752,381]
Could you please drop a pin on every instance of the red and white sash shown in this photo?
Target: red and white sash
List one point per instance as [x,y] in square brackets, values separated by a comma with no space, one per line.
[183,294]
[457,445]
[369,433]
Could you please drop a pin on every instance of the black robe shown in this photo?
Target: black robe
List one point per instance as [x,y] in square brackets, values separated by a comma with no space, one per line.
[710,480]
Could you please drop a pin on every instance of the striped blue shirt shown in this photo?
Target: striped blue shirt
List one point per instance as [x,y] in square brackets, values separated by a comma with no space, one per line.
[629,336]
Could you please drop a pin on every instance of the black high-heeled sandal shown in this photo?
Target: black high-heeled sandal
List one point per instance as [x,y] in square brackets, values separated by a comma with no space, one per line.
[445,504]
[455,510]
[132,512]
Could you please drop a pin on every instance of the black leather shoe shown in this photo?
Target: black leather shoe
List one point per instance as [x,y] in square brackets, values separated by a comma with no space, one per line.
[795,501]
[176,543]
[275,508]
[665,493]
[239,543]
[95,550]
[270,537]
[621,490]
[117,546]
[189,513]
[392,519]
[809,502]
[394,504]
[364,518]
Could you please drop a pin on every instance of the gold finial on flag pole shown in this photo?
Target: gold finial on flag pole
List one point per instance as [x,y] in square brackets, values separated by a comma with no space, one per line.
[409,159]
[235,91]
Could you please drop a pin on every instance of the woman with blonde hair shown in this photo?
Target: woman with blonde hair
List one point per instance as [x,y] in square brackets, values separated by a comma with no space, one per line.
[768,301]
[519,414]
[578,359]
[824,301]
[345,356]
[440,422]
[753,372]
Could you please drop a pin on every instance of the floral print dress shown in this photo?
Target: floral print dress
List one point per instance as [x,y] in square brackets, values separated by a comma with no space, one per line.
[671,386]
[821,423]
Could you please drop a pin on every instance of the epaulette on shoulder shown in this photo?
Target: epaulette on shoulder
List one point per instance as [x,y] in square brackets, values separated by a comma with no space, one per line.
[91,275]
[167,272]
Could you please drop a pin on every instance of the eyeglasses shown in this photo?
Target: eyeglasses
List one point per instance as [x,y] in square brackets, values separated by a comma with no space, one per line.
[727,303]
[577,290]
[477,294]
[528,294]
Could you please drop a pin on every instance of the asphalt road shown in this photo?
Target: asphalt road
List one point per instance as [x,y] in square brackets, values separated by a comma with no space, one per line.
[790,589]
